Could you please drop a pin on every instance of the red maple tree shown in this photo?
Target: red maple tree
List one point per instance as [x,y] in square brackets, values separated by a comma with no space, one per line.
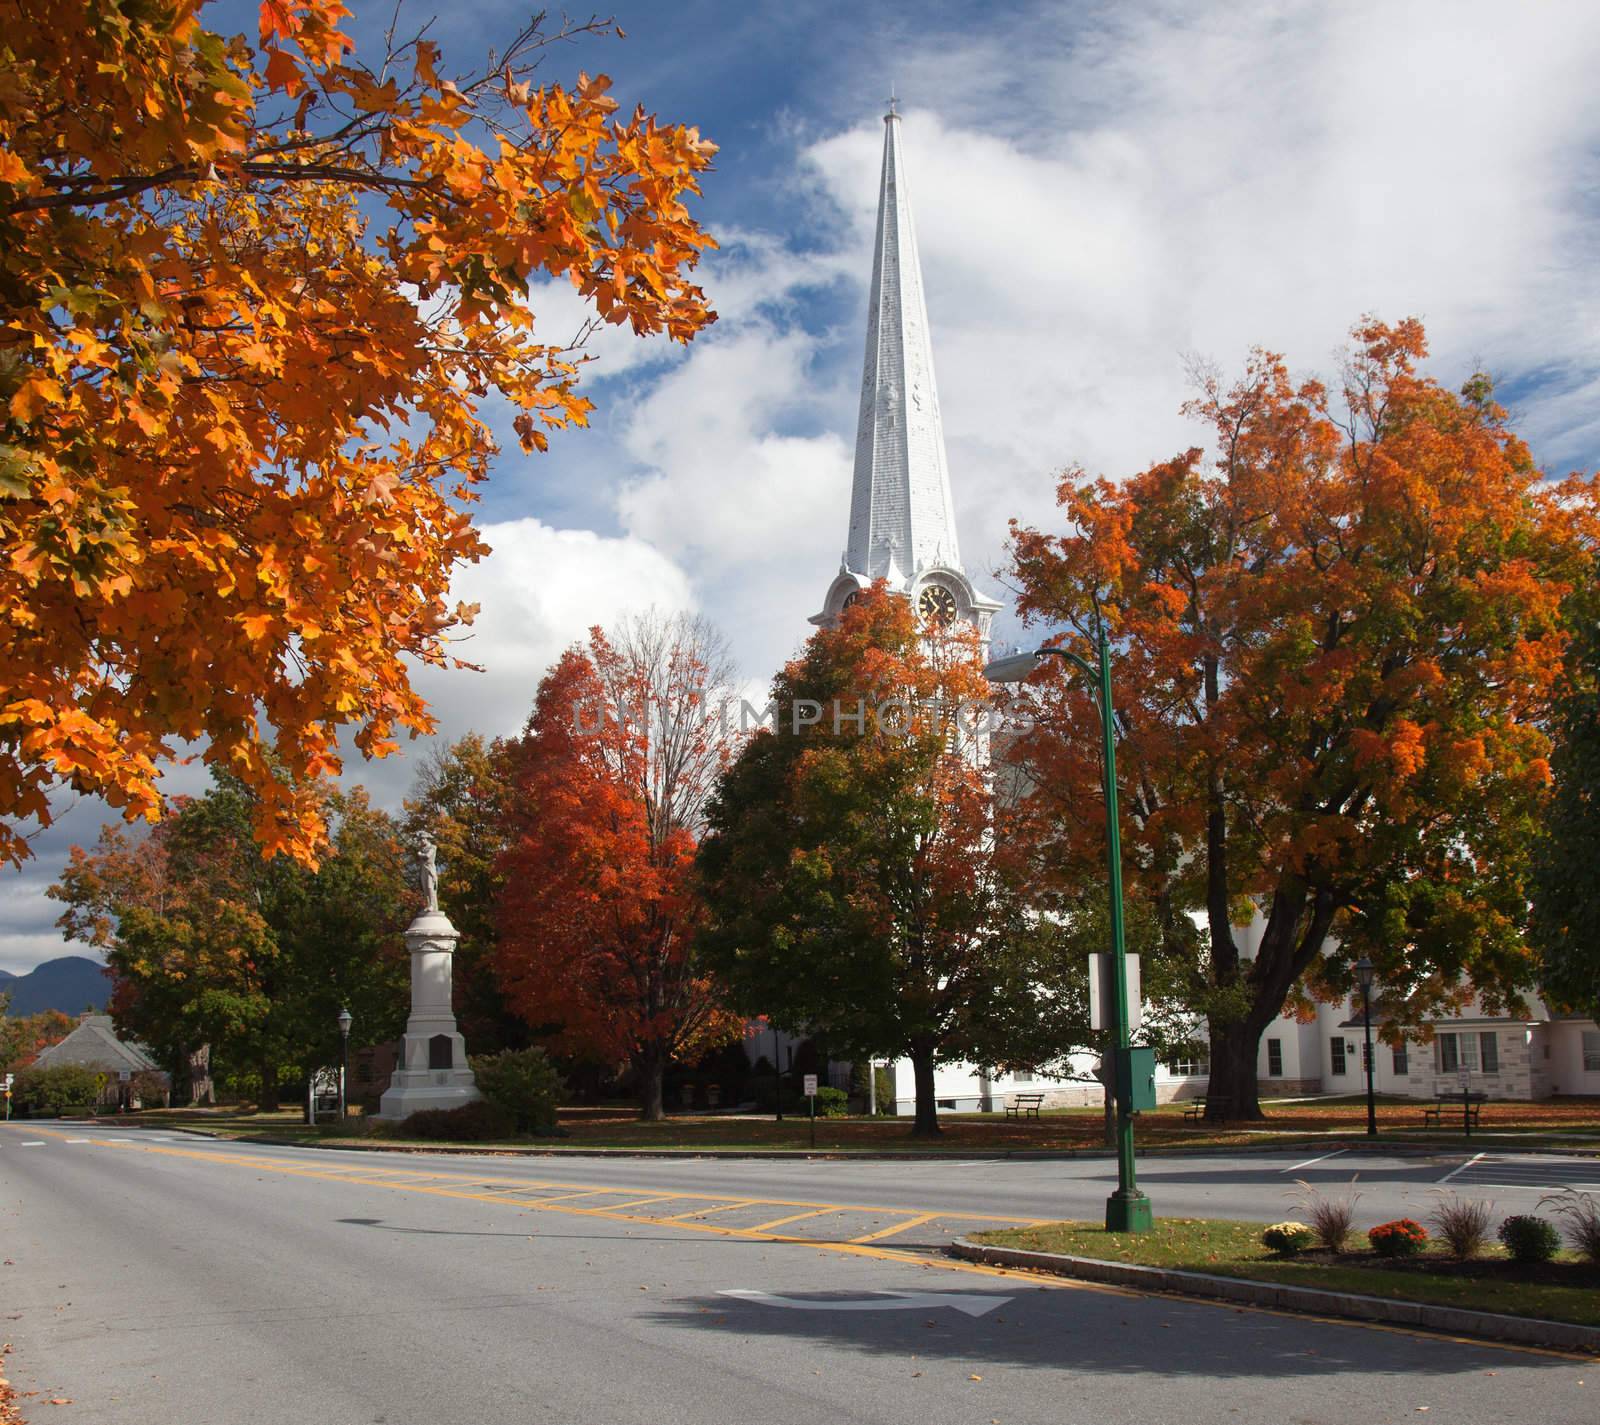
[599,914]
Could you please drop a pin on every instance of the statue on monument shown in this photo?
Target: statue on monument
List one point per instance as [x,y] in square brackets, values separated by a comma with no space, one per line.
[430,873]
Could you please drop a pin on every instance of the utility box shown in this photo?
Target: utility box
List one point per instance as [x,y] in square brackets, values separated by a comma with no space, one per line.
[1136,1077]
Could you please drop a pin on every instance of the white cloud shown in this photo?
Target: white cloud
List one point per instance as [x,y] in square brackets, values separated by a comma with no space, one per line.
[540,590]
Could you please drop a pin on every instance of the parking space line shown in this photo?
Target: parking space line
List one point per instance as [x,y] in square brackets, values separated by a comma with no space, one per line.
[1309,1161]
[797,1217]
[1461,1169]
[898,1228]
[704,1211]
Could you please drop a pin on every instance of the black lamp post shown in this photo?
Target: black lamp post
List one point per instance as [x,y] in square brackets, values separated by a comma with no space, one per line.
[777,1071]
[344,1055]
[1364,979]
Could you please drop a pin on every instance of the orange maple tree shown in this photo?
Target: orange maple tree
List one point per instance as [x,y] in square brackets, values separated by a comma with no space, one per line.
[256,297]
[600,911]
[1337,639]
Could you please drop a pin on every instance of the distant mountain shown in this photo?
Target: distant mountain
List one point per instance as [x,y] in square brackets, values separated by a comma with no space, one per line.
[6,975]
[71,984]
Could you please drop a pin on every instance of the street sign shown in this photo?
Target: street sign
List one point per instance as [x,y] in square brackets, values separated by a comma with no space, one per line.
[123,1075]
[100,1081]
[811,1085]
[1101,996]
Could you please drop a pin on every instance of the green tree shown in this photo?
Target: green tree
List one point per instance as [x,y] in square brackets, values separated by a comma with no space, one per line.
[1566,912]
[210,943]
[854,886]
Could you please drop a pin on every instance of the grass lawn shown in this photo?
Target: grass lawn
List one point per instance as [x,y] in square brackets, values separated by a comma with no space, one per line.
[1563,1123]
[1564,1290]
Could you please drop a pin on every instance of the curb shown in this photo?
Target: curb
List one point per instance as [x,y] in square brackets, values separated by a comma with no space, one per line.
[755,1155]
[1401,1149]
[1455,1321]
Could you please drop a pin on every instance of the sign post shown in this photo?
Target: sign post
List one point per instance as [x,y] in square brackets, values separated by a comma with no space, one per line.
[811,1099]
[5,1092]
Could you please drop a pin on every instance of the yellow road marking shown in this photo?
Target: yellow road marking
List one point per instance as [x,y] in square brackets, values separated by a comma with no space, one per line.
[1044,1280]
[898,1228]
[795,1217]
[702,1211]
[640,1201]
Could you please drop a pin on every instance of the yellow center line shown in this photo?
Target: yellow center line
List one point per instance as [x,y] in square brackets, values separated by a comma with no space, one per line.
[1014,1275]
[898,1228]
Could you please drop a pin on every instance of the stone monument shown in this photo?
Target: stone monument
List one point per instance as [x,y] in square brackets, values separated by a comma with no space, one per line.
[433,1071]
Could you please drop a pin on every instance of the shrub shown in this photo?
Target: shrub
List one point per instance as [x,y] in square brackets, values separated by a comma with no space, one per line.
[47,1092]
[1581,1213]
[1400,1238]
[1463,1223]
[522,1083]
[831,1102]
[1330,1218]
[1529,1239]
[479,1122]
[885,1087]
[1288,1239]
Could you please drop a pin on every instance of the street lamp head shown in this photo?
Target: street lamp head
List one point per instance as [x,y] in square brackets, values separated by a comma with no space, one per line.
[1013,668]
[1363,968]
[345,1022]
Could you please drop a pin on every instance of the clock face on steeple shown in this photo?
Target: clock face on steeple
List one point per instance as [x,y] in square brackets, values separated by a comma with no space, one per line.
[936,604]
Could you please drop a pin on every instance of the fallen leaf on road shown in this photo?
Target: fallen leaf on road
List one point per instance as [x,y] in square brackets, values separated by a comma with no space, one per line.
[974,1377]
[61,1400]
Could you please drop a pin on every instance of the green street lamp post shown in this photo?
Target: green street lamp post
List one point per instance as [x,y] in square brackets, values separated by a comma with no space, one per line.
[1127,1209]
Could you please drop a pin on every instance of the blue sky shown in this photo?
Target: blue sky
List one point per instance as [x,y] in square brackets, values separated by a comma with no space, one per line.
[1100,192]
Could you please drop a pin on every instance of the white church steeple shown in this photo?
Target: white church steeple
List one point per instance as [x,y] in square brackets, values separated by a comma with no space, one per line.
[902,519]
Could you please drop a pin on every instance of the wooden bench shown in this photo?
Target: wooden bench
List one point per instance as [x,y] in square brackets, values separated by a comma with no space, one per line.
[1025,1105]
[1197,1109]
[1448,1107]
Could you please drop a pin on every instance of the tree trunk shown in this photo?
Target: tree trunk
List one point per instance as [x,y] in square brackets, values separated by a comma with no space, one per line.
[202,1088]
[651,1069]
[926,1124]
[268,1102]
[1233,1091]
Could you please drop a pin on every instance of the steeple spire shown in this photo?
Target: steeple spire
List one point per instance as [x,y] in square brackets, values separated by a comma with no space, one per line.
[902,520]
[901,515]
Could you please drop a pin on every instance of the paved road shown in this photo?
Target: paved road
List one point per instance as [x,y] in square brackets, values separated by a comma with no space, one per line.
[161,1279]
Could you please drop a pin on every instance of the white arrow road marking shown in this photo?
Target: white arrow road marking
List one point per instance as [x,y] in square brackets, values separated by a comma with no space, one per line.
[881,1301]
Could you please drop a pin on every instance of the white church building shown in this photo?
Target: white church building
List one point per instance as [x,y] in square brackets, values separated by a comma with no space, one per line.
[903,530]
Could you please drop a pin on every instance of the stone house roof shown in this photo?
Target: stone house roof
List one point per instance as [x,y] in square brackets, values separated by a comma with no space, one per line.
[94,1043]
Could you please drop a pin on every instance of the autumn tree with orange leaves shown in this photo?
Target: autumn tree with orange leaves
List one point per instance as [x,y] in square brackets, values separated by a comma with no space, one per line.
[600,913]
[1338,638]
[256,294]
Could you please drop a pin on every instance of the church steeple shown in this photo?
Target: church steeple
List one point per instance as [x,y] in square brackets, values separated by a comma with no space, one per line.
[902,519]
